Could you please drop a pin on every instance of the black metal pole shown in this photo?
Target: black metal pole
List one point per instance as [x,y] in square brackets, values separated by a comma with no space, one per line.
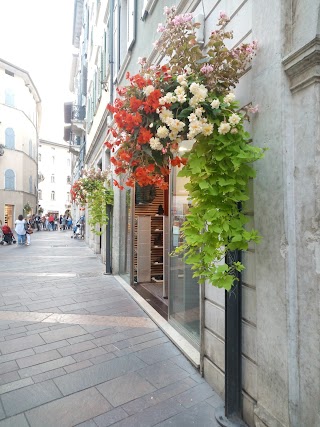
[233,350]
[108,242]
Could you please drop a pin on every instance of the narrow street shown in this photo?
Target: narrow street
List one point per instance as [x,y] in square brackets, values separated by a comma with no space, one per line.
[76,349]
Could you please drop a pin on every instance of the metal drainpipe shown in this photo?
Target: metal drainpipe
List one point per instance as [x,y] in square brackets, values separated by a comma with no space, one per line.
[233,350]
[230,415]
[108,242]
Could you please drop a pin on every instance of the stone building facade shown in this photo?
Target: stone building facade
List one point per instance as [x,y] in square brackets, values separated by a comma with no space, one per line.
[54,177]
[280,298]
[20,112]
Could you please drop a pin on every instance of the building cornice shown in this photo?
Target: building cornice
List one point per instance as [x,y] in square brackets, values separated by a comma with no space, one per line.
[57,144]
[24,75]
[303,65]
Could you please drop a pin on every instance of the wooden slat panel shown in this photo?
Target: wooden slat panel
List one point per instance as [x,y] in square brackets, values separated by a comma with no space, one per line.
[151,209]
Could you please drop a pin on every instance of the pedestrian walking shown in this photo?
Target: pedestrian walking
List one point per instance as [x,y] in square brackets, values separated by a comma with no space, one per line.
[20,229]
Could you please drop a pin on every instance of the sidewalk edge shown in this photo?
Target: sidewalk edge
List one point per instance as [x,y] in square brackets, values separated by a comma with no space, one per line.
[186,348]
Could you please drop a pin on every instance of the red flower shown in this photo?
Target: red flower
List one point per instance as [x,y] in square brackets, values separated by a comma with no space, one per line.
[135,103]
[144,136]
[124,155]
[152,101]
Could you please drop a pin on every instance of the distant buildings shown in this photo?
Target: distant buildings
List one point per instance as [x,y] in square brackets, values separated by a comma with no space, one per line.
[54,161]
[20,112]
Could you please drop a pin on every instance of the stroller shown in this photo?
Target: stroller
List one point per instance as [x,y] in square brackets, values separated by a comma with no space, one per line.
[77,232]
[8,236]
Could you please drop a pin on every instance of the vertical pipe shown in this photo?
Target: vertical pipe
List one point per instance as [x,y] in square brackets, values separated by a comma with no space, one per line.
[233,350]
[202,327]
[108,242]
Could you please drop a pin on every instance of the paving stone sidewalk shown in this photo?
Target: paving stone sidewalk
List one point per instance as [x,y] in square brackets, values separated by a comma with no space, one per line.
[77,350]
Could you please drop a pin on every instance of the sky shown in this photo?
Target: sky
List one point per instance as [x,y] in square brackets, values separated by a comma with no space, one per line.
[36,35]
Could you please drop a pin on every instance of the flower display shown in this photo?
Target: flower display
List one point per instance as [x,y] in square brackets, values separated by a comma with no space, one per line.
[191,99]
[164,105]
[93,189]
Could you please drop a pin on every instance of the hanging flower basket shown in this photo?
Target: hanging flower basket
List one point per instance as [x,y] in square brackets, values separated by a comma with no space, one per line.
[190,100]
[94,190]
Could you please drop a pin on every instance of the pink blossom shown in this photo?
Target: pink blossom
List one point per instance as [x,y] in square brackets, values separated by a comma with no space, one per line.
[161,28]
[141,60]
[169,10]
[253,110]
[182,19]
[206,69]
[223,15]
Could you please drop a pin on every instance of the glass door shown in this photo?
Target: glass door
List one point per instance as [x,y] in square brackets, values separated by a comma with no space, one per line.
[184,290]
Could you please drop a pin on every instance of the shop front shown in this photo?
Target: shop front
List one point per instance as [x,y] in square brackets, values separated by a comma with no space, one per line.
[151,233]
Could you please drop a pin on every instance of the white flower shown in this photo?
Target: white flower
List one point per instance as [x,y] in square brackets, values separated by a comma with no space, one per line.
[148,89]
[194,101]
[215,103]
[165,114]
[155,144]
[169,98]
[175,125]
[229,98]
[182,80]
[198,111]
[173,136]
[192,117]
[234,130]
[179,90]
[194,87]
[234,119]
[195,127]
[224,128]
[181,98]
[200,91]
[207,129]
[162,132]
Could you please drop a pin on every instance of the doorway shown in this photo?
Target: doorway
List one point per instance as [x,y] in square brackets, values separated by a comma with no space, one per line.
[9,215]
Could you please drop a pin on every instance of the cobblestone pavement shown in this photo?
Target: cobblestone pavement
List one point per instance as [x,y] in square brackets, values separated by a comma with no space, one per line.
[76,349]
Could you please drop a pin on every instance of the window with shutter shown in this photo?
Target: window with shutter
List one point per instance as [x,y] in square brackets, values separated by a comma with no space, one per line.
[9,138]
[9,179]
[84,80]
[131,23]
[116,44]
[9,97]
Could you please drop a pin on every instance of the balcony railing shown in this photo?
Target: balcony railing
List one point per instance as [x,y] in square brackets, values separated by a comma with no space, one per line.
[78,112]
[74,112]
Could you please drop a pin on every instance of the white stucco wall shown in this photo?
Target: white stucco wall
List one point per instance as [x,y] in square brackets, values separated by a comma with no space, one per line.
[22,115]
[55,161]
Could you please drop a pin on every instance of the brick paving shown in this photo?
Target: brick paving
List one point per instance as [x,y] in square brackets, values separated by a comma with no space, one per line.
[77,350]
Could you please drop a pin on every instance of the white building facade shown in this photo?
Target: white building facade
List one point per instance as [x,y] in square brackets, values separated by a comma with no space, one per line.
[20,111]
[278,304]
[54,177]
